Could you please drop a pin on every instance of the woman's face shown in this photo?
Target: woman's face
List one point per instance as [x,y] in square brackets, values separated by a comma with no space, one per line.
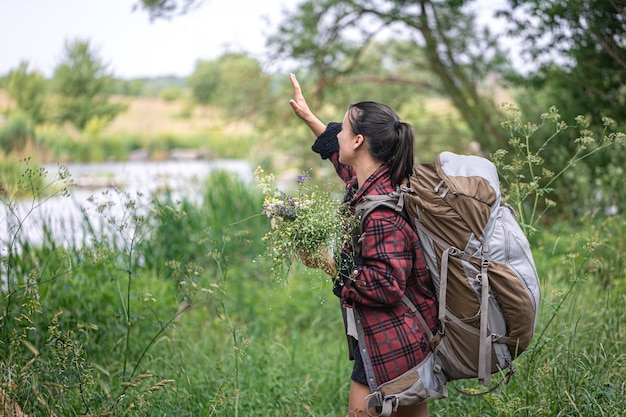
[346,141]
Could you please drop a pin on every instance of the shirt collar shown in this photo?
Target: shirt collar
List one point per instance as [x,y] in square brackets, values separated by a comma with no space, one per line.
[377,183]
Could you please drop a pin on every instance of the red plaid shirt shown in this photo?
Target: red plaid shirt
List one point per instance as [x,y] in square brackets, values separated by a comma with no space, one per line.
[392,265]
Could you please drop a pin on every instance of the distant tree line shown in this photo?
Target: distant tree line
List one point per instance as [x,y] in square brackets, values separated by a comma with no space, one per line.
[79,91]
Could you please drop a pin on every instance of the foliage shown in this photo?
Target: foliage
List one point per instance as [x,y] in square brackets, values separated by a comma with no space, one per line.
[166,9]
[578,51]
[83,85]
[171,94]
[575,52]
[234,82]
[185,230]
[10,170]
[245,346]
[16,133]
[150,87]
[55,358]
[440,38]
[394,64]
[204,81]
[303,223]
[132,88]
[530,183]
[28,89]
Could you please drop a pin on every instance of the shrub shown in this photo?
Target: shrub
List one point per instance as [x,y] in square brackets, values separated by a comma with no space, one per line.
[17,131]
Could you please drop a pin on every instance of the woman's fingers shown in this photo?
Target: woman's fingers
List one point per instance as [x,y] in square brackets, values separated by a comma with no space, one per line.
[301,108]
[298,103]
[297,91]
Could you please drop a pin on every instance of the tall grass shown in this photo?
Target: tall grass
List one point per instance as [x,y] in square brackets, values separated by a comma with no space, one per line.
[86,329]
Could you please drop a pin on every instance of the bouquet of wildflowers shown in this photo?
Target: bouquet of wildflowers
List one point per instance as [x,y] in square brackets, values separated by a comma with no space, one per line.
[304,222]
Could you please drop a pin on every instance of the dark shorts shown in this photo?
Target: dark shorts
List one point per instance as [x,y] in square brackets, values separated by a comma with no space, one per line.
[358,372]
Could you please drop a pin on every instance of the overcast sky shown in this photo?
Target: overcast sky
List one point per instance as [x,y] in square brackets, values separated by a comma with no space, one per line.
[36,31]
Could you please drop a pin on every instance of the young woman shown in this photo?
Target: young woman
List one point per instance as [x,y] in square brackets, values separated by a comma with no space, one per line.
[372,151]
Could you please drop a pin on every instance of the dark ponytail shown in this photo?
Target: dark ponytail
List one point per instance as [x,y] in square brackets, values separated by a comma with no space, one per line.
[389,140]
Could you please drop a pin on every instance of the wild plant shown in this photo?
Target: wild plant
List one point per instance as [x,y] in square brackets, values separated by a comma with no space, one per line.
[528,183]
[49,338]
[28,356]
[129,221]
[203,248]
[35,187]
[301,223]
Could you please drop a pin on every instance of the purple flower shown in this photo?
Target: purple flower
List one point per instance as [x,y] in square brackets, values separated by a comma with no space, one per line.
[302,178]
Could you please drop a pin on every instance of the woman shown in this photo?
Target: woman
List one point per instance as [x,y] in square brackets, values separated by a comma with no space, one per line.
[372,151]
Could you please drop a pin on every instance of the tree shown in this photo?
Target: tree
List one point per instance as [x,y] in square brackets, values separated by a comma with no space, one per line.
[579,51]
[330,36]
[166,9]
[83,85]
[28,89]
[204,80]
[14,135]
[235,82]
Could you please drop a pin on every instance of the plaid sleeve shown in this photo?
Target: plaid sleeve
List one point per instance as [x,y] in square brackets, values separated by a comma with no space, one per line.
[387,262]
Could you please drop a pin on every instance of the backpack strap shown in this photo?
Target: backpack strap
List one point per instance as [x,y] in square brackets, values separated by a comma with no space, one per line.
[485,339]
[484,349]
[369,203]
[437,370]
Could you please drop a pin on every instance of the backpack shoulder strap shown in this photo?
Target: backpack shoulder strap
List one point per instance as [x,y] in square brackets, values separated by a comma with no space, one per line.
[394,201]
[368,204]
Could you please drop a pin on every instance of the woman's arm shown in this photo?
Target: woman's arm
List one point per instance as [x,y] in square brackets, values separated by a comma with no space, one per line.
[301,109]
[378,276]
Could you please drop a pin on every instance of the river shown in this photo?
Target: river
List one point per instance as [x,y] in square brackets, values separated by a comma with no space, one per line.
[63,215]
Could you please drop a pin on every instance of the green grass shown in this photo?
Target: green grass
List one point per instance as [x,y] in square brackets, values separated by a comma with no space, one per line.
[188,322]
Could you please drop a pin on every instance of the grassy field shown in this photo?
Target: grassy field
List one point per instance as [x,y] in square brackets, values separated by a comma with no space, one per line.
[154,116]
[153,125]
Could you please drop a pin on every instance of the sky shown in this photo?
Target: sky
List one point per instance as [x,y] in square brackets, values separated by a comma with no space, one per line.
[130,44]
[37,30]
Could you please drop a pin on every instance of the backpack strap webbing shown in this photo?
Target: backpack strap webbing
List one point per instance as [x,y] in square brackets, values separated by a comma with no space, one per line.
[484,349]
[393,201]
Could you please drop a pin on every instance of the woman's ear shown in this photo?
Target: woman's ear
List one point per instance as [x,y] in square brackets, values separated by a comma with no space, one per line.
[359,140]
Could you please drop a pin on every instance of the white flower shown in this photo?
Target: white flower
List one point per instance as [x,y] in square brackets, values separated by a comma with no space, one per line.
[303,222]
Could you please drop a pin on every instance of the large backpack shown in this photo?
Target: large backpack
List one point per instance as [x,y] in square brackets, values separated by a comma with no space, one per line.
[479,260]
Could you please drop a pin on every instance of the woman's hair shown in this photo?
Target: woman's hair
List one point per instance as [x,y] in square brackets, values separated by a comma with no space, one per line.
[388,139]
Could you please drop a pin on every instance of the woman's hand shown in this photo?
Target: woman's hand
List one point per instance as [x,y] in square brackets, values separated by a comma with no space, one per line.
[319,259]
[301,109]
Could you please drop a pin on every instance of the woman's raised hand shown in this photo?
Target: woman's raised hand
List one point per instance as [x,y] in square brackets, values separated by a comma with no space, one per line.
[301,108]
[298,103]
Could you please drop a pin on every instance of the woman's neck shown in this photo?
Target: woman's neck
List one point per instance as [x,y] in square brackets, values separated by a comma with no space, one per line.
[365,170]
